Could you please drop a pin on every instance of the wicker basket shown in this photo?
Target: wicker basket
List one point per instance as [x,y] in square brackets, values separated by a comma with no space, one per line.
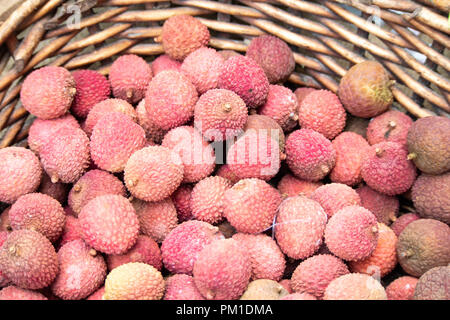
[410,38]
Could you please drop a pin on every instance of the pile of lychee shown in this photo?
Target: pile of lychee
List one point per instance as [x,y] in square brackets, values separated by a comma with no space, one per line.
[202,175]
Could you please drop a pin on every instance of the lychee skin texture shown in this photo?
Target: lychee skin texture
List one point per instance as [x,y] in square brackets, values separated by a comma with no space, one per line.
[170,99]
[183,34]
[314,274]
[273,55]
[202,67]
[309,155]
[350,151]
[82,271]
[3,280]
[48,92]
[392,126]
[181,287]
[129,76]
[264,289]
[322,111]
[301,93]
[282,106]
[197,155]
[164,62]
[225,172]
[335,196]
[114,139]
[92,184]
[222,270]
[156,219]
[109,224]
[251,205]
[265,124]
[220,114]
[38,212]
[134,281]
[430,196]
[65,157]
[206,199]
[16,293]
[299,296]
[384,207]
[42,130]
[266,258]
[97,295]
[401,288]
[182,200]
[181,247]
[299,227]
[71,231]
[20,173]
[246,78]
[28,259]
[352,233]
[291,186]
[92,87]
[386,169]
[152,131]
[433,285]
[355,286]
[145,250]
[153,173]
[398,225]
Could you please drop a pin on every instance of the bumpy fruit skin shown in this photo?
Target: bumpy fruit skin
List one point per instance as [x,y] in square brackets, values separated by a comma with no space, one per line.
[20,173]
[181,247]
[365,90]
[266,258]
[222,270]
[153,173]
[401,222]
[355,286]
[48,92]
[422,245]
[129,76]
[114,139]
[181,287]
[384,207]
[183,34]
[220,114]
[430,195]
[352,233]
[71,231]
[156,219]
[386,168]
[28,259]
[134,281]
[164,62]
[301,93]
[299,296]
[65,157]
[286,283]
[145,250]
[246,78]
[109,224]
[264,289]
[202,67]
[170,99]
[3,280]
[299,227]
[57,191]
[392,125]
[434,285]
[81,271]
[38,212]
[206,199]
[92,87]
[108,106]
[282,106]
[335,196]
[401,288]
[291,186]
[314,274]
[42,130]
[428,144]
[197,155]
[92,184]
[309,155]
[97,295]
[383,259]
[350,151]
[16,293]
[266,124]
[251,205]
[152,131]
[273,55]
[224,171]
[182,200]
[322,111]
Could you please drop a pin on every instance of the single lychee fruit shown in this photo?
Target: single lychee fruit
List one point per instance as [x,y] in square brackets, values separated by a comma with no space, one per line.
[355,286]
[291,186]
[384,207]
[401,288]
[392,125]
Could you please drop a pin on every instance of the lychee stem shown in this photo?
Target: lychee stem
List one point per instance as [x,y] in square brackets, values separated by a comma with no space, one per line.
[325,169]
[293,116]
[77,188]
[406,254]
[411,156]
[392,124]
[391,83]
[379,152]
[131,183]
[374,229]
[54,179]
[92,252]
[226,107]
[73,91]
[129,93]
[282,156]
[13,250]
